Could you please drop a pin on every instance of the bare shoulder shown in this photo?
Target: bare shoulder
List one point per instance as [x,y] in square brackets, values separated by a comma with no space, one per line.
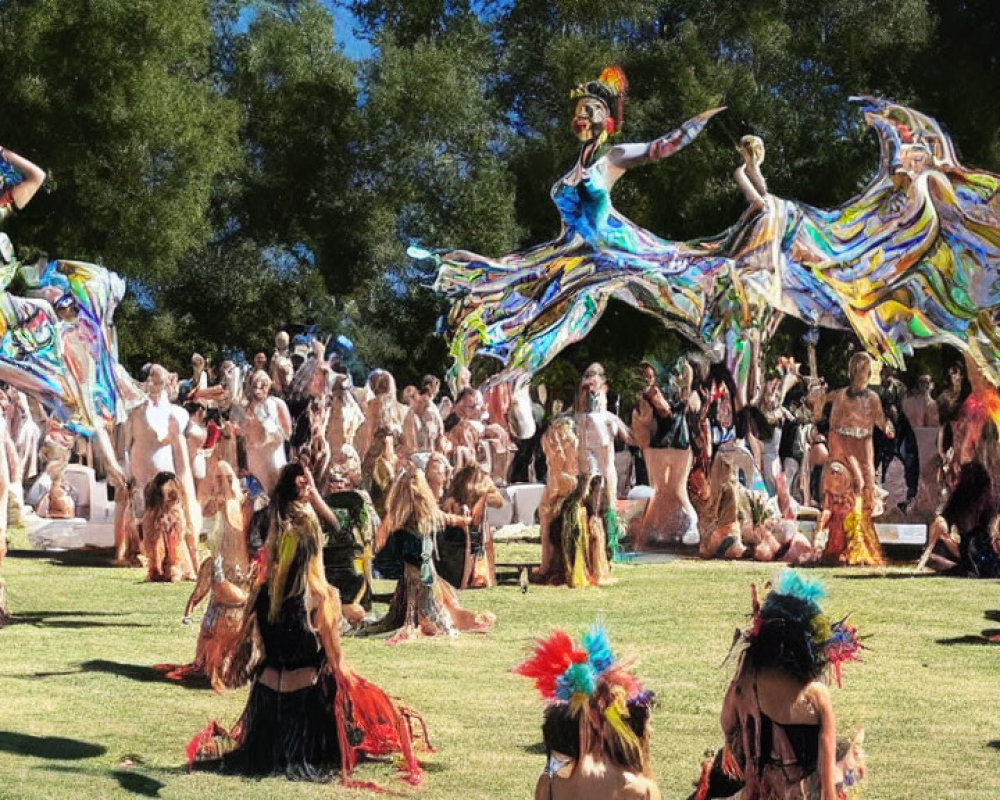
[639,787]
[817,694]
[541,787]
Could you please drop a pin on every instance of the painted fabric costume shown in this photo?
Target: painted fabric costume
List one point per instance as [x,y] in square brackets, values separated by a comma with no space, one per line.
[423,603]
[222,654]
[911,261]
[580,540]
[861,545]
[524,308]
[71,367]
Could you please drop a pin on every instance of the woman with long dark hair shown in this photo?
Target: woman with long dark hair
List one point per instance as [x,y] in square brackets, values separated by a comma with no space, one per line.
[964,539]
[777,716]
[308,713]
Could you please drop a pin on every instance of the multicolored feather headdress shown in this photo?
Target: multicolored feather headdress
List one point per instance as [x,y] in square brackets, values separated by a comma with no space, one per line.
[587,678]
[610,89]
[793,604]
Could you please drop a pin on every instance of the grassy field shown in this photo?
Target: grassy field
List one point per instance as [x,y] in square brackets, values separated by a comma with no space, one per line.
[83,716]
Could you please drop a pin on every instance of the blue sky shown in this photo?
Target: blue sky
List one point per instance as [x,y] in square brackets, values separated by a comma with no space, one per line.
[344,29]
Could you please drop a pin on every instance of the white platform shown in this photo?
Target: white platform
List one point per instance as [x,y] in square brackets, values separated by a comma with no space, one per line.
[92,495]
[70,534]
[521,501]
[887,532]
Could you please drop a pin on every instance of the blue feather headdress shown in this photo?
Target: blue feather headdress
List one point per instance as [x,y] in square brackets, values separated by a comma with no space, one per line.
[792,612]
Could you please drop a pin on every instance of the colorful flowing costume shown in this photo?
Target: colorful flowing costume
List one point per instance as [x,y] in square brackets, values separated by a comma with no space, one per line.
[423,603]
[525,307]
[71,367]
[223,653]
[309,732]
[913,260]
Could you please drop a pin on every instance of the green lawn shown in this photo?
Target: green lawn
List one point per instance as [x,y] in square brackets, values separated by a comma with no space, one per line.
[74,666]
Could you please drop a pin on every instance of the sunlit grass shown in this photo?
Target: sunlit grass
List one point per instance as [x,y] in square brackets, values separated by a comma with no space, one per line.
[75,666]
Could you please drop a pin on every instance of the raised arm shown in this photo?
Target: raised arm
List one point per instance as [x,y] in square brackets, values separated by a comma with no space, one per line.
[318,504]
[20,194]
[753,196]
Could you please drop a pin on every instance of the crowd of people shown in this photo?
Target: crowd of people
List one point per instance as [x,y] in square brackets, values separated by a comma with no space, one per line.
[735,470]
[305,487]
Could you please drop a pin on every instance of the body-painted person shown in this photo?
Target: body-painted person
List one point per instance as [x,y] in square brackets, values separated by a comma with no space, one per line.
[525,307]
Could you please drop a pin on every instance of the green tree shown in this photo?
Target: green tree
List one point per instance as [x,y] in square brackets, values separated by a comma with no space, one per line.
[302,190]
[434,156]
[117,101]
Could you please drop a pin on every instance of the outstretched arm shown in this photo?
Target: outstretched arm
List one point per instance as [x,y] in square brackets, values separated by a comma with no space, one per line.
[625,156]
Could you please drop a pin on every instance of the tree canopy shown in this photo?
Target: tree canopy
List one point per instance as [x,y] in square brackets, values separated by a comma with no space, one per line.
[242,173]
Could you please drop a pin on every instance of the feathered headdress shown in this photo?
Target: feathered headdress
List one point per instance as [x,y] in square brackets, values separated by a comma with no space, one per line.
[610,89]
[791,610]
[588,679]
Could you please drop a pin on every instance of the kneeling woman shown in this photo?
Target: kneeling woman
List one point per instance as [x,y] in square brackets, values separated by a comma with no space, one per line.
[423,604]
[596,727]
[777,716]
[308,714]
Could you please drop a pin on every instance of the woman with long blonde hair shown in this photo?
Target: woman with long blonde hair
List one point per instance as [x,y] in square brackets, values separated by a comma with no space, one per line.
[423,604]
[226,578]
[308,712]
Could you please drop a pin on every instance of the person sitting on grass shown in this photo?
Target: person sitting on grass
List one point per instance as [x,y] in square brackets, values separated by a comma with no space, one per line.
[596,727]
[777,715]
[308,714]
[423,604]
[964,539]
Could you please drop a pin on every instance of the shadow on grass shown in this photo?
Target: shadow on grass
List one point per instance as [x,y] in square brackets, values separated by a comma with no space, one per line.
[44,619]
[981,640]
[893,576]
[995,744]
[137,783]
[96,557]
[134,672]
[992,616]
[129,780]
[537,749]
[53,748]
